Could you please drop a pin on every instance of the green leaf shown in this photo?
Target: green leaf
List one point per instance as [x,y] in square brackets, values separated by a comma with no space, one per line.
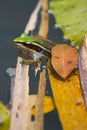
[71,17]
[4,117]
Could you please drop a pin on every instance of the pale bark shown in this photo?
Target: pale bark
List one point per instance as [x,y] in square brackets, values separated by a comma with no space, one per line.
[83,68]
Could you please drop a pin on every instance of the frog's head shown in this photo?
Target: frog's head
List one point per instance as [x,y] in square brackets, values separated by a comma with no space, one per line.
[22,38]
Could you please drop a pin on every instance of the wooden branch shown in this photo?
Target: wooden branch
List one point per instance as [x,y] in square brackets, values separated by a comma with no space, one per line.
[39,124]
[44,19]
[39,116]
[83,68]
[33,18]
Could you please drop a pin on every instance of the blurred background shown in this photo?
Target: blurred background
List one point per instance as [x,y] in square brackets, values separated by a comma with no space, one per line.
[14,15]
[13,19]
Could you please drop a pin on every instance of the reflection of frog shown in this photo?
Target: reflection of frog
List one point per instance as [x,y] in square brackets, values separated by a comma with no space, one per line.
[34,48]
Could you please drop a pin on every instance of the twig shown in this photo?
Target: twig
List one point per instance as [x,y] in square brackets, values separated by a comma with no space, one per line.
[83,68]
[39,116]
[39,124]
[33,18]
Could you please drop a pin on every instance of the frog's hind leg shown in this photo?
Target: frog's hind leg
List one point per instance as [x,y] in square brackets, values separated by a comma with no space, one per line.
[27,62]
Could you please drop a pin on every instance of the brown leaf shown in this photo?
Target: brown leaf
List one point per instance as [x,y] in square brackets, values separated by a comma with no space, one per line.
[64,59]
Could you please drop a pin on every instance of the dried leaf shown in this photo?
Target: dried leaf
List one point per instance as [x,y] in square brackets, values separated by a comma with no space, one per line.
[64,59]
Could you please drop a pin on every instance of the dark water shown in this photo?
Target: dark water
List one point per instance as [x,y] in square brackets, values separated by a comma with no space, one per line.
[13,18]
[14,15]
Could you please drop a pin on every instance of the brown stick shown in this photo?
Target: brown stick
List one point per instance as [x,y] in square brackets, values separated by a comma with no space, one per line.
[44,19]
[39,124]
[39,116]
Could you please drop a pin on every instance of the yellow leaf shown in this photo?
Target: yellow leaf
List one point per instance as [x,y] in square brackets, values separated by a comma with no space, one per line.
[69,101]
[4,117]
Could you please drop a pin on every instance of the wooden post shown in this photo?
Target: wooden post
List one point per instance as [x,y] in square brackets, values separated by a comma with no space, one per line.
[20,98]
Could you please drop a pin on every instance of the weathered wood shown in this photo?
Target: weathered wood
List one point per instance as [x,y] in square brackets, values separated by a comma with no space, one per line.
[20,98]
[39,124]
[83,68]
[33,18]
[39,116]
[44,19]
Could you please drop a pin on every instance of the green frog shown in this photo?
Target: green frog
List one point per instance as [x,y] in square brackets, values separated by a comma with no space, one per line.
[33,48]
